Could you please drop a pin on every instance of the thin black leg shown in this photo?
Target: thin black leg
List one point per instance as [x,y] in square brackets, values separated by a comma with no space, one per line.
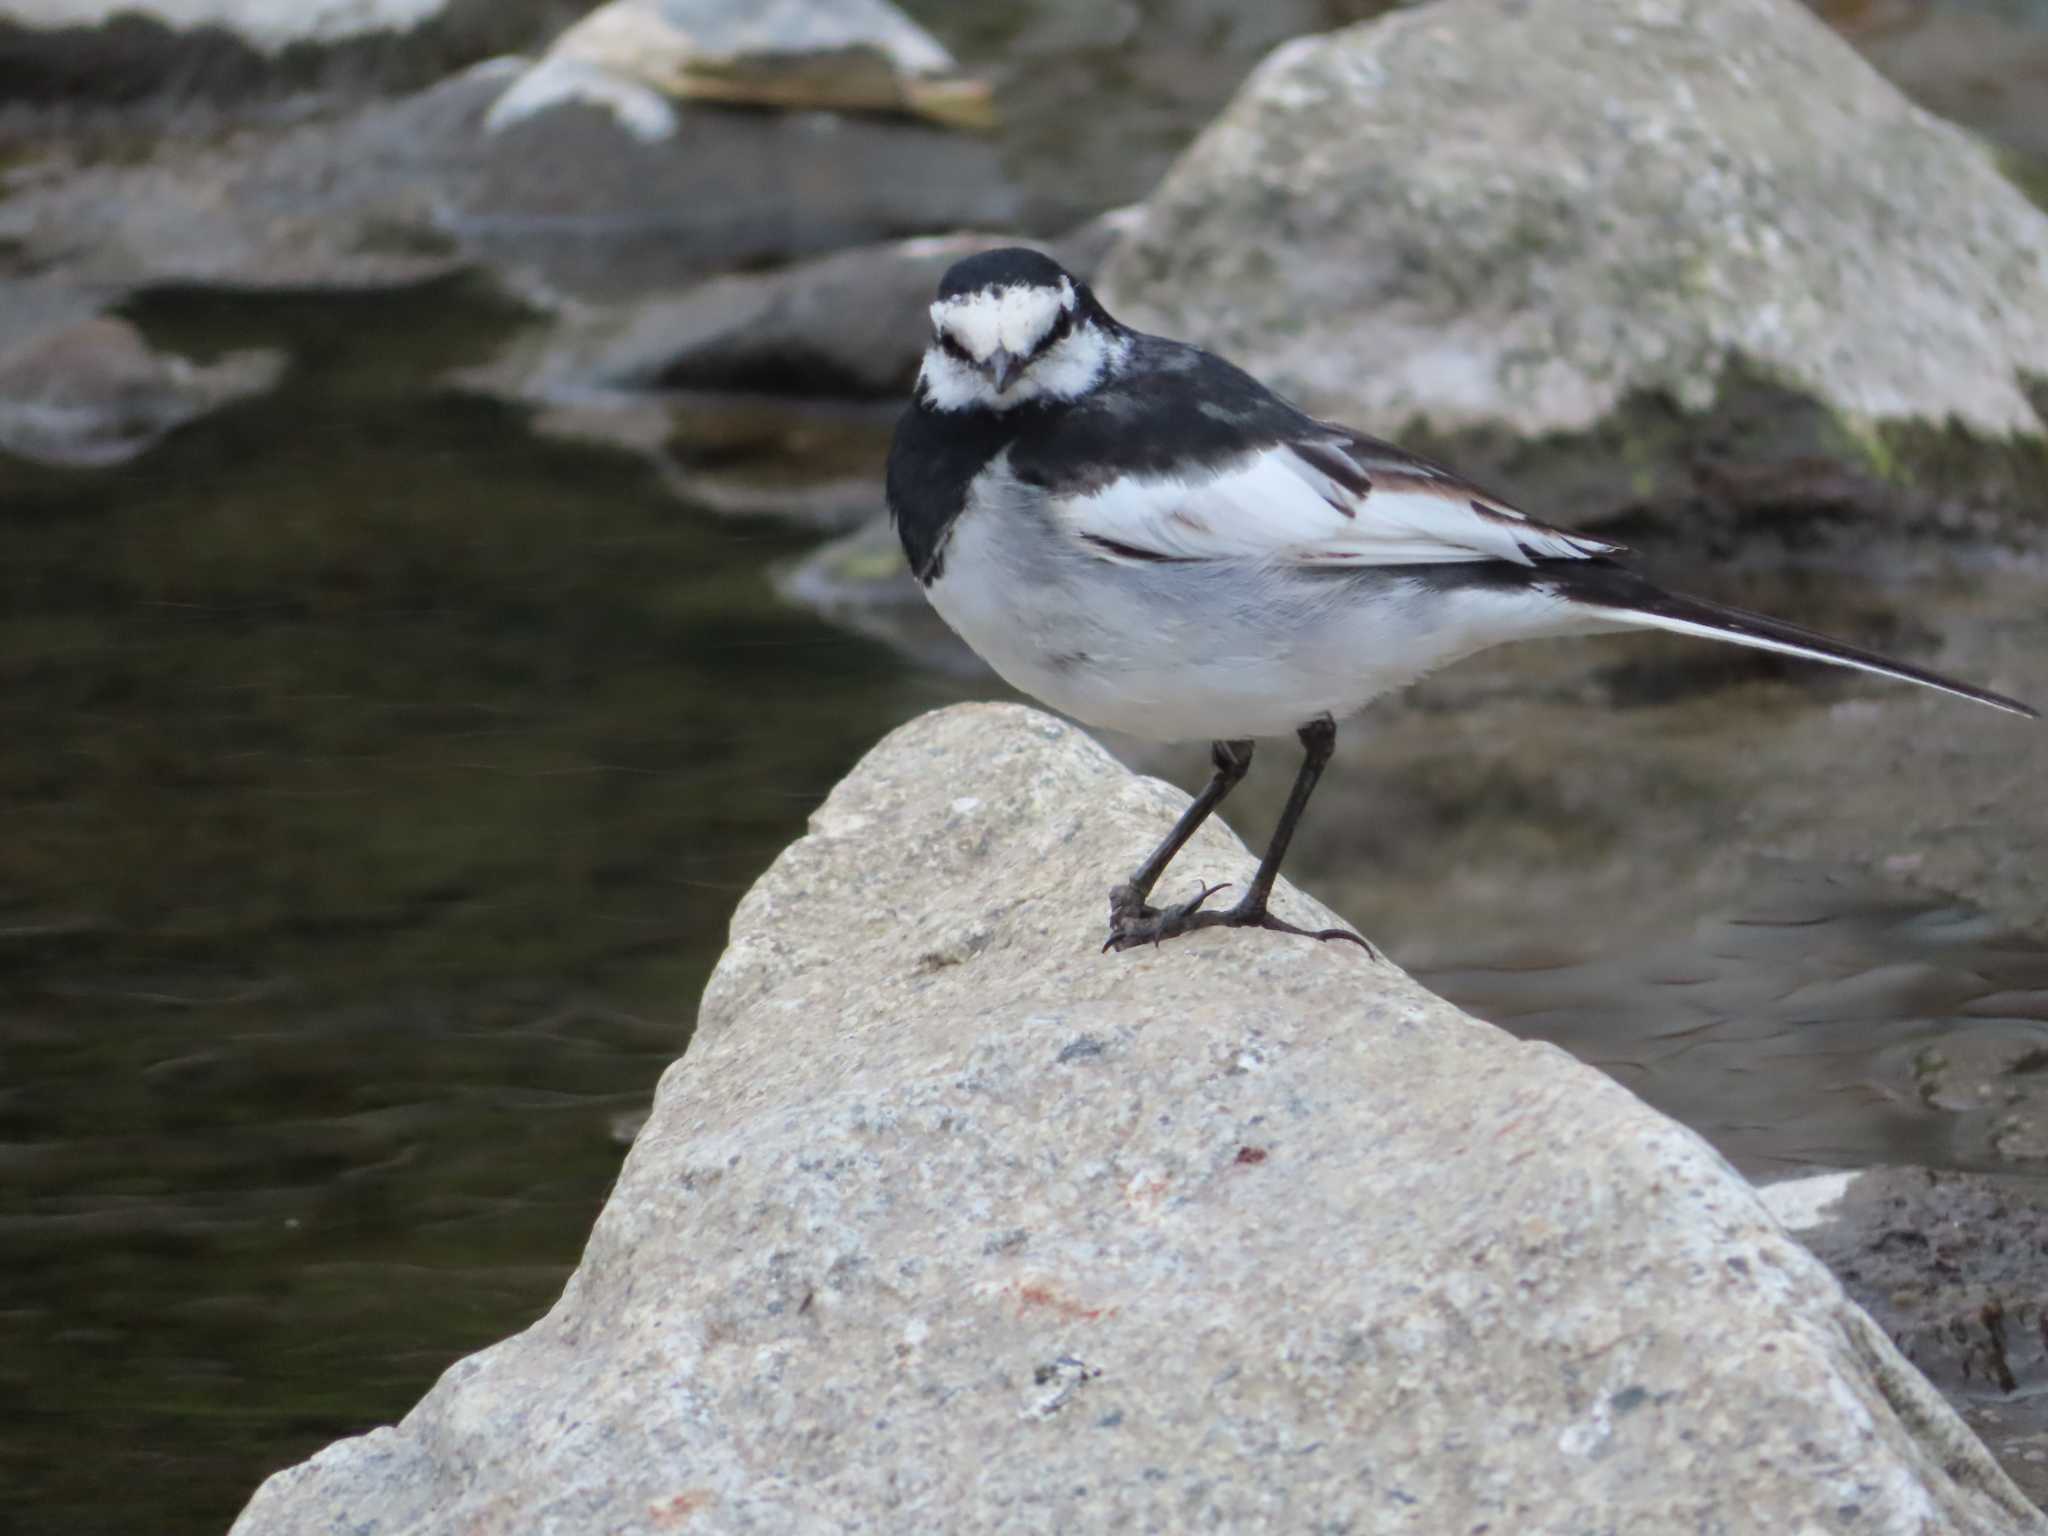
[1130,919]
[1318,746]
[1318,742]
[1233,760]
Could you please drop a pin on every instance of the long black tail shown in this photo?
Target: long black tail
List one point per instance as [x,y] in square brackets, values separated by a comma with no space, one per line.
[1622,597]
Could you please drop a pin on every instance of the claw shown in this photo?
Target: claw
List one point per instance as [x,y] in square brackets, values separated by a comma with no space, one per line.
[1175,919]
[1280,925]
[1132,922]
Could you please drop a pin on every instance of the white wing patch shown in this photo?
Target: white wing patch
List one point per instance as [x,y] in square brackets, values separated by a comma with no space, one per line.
[1313,507]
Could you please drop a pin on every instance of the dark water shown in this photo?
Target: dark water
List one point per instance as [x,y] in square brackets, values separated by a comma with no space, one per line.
[1832,1020]
[378,782]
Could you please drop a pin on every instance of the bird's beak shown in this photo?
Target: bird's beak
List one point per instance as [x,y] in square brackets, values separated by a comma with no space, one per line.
[1001,368]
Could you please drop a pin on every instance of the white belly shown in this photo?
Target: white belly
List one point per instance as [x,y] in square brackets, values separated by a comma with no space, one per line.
[1203,650]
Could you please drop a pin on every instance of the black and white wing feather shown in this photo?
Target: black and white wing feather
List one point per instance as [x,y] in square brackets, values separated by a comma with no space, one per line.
[1322,499]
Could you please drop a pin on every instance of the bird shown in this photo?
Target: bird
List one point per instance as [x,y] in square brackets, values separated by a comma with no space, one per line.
[1143,536]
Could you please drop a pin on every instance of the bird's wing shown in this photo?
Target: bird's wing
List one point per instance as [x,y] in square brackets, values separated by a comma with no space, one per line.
[1331,500]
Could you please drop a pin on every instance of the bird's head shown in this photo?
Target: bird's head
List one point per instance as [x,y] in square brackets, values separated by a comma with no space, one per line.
[1010,327]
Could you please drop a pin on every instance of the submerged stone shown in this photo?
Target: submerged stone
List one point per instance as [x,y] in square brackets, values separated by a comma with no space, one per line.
[95,393]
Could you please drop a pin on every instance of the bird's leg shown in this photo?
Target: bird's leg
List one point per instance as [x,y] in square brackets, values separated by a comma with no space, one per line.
[1131,921]
[1318,742]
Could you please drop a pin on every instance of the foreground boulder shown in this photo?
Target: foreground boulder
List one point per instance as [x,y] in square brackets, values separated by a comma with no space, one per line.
[1521,212]
[950,1222]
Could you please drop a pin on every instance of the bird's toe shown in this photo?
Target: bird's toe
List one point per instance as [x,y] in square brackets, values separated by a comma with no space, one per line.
[1132,922]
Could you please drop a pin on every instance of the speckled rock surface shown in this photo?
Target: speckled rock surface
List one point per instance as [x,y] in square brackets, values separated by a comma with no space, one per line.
[948,1221]
[1518,211]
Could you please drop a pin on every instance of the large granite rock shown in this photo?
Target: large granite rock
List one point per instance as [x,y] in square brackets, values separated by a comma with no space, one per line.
[1519,212]
[948,1221]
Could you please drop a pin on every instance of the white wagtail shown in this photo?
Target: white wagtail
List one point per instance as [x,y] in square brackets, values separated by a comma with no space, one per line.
[1146,538]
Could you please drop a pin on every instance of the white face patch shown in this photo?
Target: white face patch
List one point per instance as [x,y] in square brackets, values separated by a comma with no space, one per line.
[1015,319]
[1018,320]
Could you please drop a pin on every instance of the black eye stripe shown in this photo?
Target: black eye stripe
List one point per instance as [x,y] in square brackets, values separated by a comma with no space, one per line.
[1061,327]
[1057,333]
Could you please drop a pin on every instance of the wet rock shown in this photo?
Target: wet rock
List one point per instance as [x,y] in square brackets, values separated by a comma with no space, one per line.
[591,208]
[1949,1266]
[564,203]
[266,24]
[1997,1080]
[128,51]
[32,308]
[615,191]
[967,1217]
[1640,194]
[834,55]
[852,323]
[816,462]
[94,393]
[770,393]
[351,197]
